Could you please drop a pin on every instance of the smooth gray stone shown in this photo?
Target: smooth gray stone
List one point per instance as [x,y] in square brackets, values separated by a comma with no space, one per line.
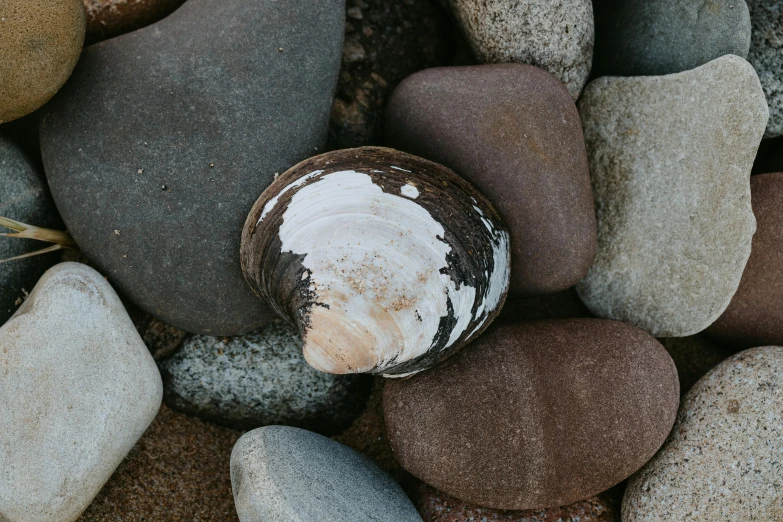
[652,37]
[23,197]
[282,474]
[766,55]
[258,379]
[170,133]
[78,388]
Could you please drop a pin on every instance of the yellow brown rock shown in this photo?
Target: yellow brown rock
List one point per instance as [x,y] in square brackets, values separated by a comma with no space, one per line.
[40,43]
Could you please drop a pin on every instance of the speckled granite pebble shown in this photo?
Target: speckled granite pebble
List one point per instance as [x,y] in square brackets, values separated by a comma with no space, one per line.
[641,37]
[78,389]
[110,18]
[435,506]
[766,55]
[724,458]
[40,43]
[670,161]
[259,379]
[556,35]
[755,315]
[288,474]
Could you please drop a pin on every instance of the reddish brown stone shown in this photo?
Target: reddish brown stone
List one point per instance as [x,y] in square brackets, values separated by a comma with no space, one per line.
[755,315]
[109,18]
[536,414]
[514,132]
[177,472]
[435,506]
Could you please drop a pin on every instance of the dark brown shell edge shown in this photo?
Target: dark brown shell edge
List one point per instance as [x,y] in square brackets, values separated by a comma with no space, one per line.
[282,280]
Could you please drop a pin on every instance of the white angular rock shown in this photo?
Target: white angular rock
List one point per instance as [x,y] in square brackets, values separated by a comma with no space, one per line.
[670,160]
[724,459]
[77,390]
[554,35]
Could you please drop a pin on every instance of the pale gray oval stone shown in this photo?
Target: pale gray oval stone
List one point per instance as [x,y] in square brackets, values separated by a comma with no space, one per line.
[670,160]
[724,459]
[78,389]
[555,35]
[258,379]
[282,474]
[766,55]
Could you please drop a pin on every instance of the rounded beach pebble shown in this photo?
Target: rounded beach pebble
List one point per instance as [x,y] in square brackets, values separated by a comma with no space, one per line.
[513,131]
[670,161]
[40,43]
[724,458]
[289,474]
[766,55]
[651,37]
[258,379]
[536,415]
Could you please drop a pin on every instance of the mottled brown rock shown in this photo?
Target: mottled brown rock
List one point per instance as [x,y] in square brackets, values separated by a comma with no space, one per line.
[177,472]
[694,356]
[755,315]
[514,132]
[536,415]
[40,43]
[385,41]
[109,18]
[435,506]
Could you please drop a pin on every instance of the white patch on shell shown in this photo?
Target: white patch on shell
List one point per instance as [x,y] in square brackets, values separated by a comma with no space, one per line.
[375,260]
[409,191]
[400,168]
[272,202]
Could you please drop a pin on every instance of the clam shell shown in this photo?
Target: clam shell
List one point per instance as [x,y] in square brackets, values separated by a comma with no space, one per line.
[386,262]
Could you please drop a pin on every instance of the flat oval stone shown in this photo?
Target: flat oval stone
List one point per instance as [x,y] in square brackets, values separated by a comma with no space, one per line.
[195,116]
[766,56]
[39,46]
[755,315]
[537,414]
[653,37]
[110,18]
[79,389]
[282,473]
[258,379]
[513,131]
[556,36]
[724,458]
[672,193]
[24,198]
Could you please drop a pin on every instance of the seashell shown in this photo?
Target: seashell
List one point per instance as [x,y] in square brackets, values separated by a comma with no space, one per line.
[386,262]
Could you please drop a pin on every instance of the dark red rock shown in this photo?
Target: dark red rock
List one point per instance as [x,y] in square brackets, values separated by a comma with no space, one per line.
[435,506]
[110,18]
[755,315]
[537,414]
[514,132]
